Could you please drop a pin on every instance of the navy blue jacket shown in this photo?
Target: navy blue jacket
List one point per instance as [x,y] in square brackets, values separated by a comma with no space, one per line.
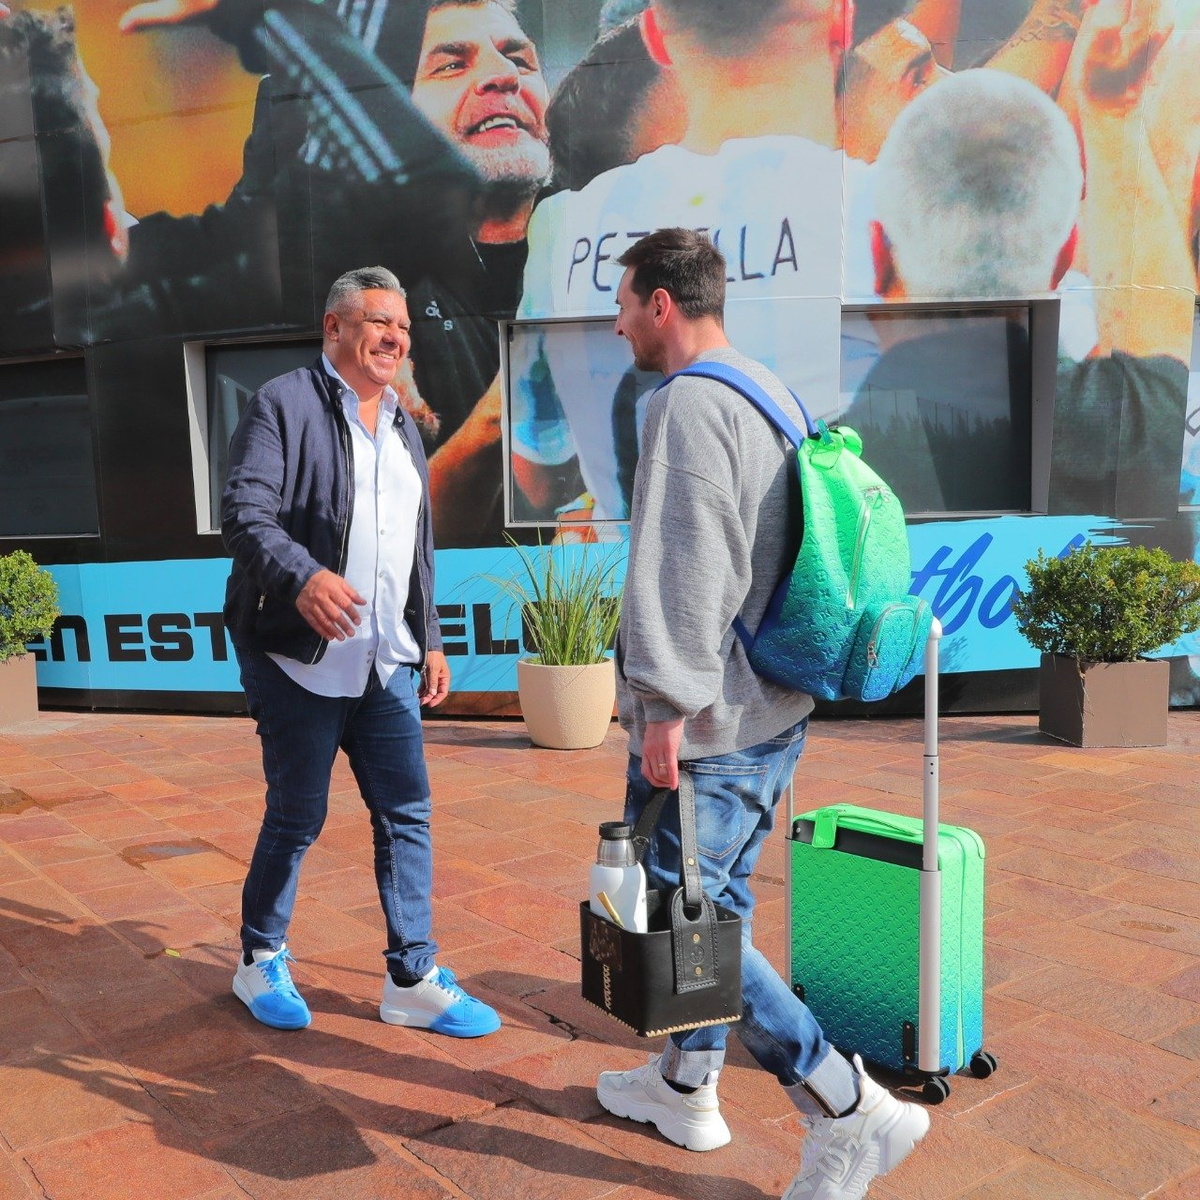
[285,514]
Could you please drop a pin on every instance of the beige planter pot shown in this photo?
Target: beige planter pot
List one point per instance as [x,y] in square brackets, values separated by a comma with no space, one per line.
[567,708]
[18,691]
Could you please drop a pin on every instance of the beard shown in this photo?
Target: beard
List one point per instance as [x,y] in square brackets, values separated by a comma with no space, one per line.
[510,173]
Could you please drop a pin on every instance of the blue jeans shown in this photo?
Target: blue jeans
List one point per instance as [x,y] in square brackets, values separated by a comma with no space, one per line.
[736,798]
[380,731]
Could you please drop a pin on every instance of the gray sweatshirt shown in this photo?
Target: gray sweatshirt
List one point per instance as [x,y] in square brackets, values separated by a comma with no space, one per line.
[715,526]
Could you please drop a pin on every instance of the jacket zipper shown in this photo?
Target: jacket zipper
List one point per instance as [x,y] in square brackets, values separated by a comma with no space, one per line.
[344,437]
[870,498]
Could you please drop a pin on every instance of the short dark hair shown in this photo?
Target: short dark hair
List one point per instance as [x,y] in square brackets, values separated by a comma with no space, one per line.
[685,264]
[870,16]
[727,28]
[594,107]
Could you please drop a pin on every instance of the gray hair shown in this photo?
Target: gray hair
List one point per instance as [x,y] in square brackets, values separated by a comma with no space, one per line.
[354,283]
[977,187]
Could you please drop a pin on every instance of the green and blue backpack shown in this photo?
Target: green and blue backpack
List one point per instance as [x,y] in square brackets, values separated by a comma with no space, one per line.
[841,624]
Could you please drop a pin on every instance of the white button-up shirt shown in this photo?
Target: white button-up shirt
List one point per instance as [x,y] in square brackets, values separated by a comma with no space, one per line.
[379,556]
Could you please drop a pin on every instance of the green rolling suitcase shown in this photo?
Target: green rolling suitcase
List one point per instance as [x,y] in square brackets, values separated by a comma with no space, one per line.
[886,928]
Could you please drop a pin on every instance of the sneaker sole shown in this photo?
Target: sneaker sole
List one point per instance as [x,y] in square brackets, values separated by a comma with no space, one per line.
[243,994]
[690,1134]
[397,1016]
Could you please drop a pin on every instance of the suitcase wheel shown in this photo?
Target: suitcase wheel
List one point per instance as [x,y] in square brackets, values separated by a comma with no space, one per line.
[935,1090]
[982,1064]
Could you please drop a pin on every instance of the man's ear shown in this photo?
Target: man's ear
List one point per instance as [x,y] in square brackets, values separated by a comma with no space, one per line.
[652,36]
[330,326]
[1066,256]
[883,260]
[663,304]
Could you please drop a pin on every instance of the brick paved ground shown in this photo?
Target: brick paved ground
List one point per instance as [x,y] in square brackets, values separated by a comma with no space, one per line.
[127,1069]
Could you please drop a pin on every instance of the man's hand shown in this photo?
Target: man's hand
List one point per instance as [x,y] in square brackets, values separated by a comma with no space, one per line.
[330,605]
[1116,46]
[435,679]
[660,752]
[163,12]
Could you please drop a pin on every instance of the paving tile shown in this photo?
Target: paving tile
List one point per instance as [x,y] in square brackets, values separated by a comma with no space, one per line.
[1127,1070]
[31,1025]
[1156,891]
[1176,863]
[1186,983]
[320,1154]
[1181,1104]
[1132,1011]
[217,1103]
[410,1091]
[543,1159]
[1038,896]
[543,916]
[1169,932]
[517,966]
[145,895]
[13,1183]
[1089,1134]
[127,1160]
[89,874]
[51,1096]
[950,1160]
[1182,1189]
[457,876]
[1185,1041]
[1040,1179]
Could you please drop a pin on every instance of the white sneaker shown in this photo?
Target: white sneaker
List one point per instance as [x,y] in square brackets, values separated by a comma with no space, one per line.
[841,1156]
[265,987]
[437,1003]
[693,1120]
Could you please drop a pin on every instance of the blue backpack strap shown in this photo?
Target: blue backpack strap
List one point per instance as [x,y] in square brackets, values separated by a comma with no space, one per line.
[741,382]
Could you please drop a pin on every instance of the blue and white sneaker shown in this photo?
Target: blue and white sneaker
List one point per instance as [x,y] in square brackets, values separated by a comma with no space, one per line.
[265,987]
[439,1004]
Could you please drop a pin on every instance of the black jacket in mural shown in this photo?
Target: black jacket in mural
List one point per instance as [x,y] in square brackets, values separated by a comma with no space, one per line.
[340,171]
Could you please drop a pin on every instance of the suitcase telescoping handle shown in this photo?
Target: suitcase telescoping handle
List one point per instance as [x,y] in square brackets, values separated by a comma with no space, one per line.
[929,1033]
[930,967]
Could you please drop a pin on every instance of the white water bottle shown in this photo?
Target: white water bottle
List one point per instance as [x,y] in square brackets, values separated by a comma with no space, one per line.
[617,877]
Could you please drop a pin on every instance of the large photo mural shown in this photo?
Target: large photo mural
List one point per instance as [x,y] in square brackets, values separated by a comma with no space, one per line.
[967,228]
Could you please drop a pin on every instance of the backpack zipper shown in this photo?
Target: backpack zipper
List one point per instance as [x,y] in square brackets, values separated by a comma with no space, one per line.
[872,655]
[870,498]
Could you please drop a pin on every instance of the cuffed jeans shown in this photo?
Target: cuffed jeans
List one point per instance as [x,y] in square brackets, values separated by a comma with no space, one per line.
[736,798]
[380,731]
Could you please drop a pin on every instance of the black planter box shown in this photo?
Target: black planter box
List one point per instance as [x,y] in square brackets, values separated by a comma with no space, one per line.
[631,976]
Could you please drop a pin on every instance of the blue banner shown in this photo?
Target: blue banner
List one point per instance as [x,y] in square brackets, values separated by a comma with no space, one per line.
[156,626]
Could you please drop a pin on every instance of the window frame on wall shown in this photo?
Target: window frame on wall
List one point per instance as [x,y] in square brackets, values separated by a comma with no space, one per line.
[60,361]
[198,372]
[1043,325]
[604,324]
[1191,418]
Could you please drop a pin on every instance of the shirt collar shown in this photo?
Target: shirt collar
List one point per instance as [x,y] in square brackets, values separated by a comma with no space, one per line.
[389,400]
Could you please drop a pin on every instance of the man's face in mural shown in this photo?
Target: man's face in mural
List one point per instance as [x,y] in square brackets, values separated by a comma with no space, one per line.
[884,74]
[479,81]
[636,324]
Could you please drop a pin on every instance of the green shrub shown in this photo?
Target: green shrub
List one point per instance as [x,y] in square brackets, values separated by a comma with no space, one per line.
[28,603]
[568,601]
[1108,604]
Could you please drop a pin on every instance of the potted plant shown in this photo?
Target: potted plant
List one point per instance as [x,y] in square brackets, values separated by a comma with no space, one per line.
[28,610]
[570,605]
[1095,614]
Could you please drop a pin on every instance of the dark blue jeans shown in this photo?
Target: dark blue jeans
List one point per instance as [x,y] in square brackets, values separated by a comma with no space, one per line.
[736,798]
[380,731]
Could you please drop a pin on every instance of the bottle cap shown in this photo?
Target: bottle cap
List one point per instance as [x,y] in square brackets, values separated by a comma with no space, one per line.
[615,831]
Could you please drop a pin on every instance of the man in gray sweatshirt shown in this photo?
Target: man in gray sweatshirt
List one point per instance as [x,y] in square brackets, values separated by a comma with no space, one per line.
[715,526]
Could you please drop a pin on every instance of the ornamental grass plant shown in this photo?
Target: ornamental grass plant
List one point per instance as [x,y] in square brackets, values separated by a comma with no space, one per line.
[569,602]
[28,603]
[1108,604]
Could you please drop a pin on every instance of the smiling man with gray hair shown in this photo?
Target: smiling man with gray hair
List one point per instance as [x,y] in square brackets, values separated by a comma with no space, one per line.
[330,609]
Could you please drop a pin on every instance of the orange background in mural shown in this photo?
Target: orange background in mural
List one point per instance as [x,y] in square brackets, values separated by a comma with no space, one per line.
[176,101]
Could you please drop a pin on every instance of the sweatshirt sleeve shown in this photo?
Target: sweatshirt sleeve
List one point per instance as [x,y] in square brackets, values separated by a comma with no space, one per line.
[689,564]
